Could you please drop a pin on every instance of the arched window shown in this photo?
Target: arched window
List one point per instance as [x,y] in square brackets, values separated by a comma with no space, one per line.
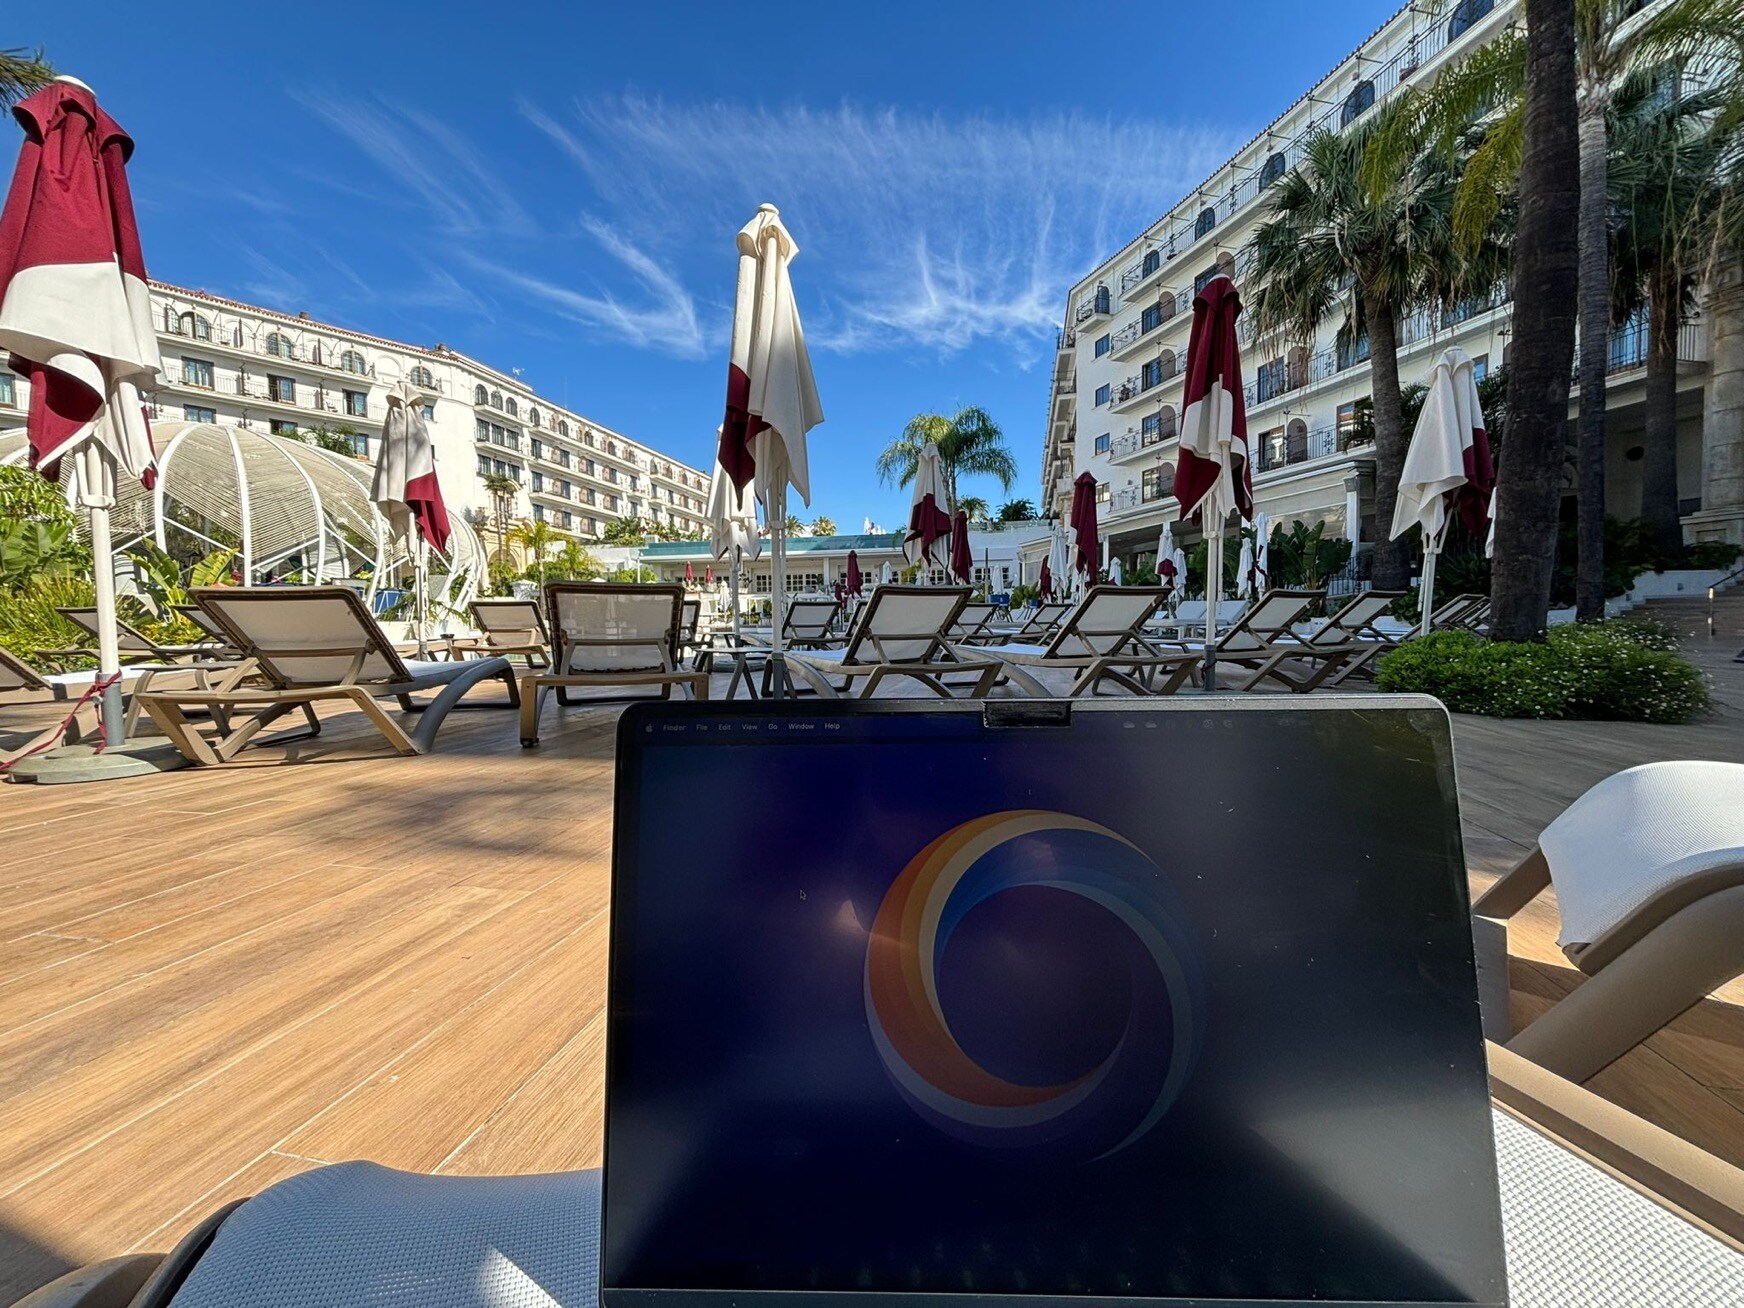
[1206,220]
[422,379]
[352,361]
[1273,170]
[1357,103]
[511,408]
[497,400]
[279,345]
[192,324]
[481,396]
[532,415]
[1465,14]
[562,427]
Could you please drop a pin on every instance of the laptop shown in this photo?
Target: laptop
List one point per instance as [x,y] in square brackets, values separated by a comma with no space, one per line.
[1017,1004]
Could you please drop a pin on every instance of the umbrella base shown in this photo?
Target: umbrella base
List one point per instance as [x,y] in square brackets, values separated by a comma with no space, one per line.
[72,763]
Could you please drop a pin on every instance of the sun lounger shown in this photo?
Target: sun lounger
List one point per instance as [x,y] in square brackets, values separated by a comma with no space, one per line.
[1648,870]
[972,624]
[609,634]
[1102,639]
[213,633]
[134,645]
[302,645]
[508,628]
[689,632]
[1250,641]
[904,631]
[1036,629]
[1345,644]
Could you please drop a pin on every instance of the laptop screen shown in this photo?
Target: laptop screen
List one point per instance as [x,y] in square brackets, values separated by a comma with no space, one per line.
[1174,1002]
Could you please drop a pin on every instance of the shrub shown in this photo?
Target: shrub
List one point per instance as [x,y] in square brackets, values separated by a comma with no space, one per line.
[1714,555]
[1617,670]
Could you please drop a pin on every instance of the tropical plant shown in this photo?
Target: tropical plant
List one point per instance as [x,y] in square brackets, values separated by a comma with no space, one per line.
[794,526]
[624,531]
[336,440]
[1303,556]
[1017,511]
[534,539]
[823,525]
[970,445]
[1667,159]
[165,583]
[975,507]
[1362,237]
[29,621]
[573,563]
[22,72]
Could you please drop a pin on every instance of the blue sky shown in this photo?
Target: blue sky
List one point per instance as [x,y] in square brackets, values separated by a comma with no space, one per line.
[555,187]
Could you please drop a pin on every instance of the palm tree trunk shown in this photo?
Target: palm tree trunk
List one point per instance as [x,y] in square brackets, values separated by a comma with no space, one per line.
[1595,330]
[1391,563]
[1659,464]
[1546,275]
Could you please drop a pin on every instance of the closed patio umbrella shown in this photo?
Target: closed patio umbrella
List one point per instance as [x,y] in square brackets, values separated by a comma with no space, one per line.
[772,399]
[1448,468]
[1045,582]
[1084,540]
[856,582]
[1116,575]
[885,574]
[962,562]
[929,526]
[408,494]
[1214,478]
[732,520]
[75,315]
[1244,570]
[1060,562]
[1262,551]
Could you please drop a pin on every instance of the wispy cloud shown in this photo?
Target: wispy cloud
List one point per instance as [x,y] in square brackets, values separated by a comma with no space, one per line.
[931,230]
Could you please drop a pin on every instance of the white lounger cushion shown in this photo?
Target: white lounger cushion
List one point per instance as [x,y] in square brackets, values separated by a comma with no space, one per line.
[1637,833]
[357,1235]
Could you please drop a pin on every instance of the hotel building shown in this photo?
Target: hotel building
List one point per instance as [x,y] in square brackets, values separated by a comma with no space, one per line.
[1115,392]
[229,362]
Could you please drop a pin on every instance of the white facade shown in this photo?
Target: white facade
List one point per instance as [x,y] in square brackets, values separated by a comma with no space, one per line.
[229,362]
[1115,394]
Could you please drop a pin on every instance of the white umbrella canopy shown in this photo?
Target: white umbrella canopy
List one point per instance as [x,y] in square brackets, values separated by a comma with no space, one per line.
[1262,563]
[772,399]
[1060,561]
[732,521]
[1116,575]
[928,540]
[407,491]
[1447,466]
[1244,565]
[75,315]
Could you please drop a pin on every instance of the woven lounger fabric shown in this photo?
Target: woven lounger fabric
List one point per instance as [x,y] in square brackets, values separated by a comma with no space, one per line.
[358,1235]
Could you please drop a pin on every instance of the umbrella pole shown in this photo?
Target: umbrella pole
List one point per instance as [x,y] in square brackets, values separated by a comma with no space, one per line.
[1426,596]
[420,600]
[1213,596]
[776,510]
[97,494]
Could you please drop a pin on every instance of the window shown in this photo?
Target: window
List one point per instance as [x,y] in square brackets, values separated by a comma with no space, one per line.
[1150,319]
[1154,483]
[192,324]
[496,400]
[280,346]
[538,509]
[481,397]
[1103,494]
[538,480]
[1351,353]
[1102,443]
[1150,429]
[481,429]
[1269,381]
[8,391]
[422,378]
[192,412]
[1102,345]
[1151,374]
[538,448]
[429,412]
[1480,367]
[1206,220]
[1357,103]
[568,520]
[352,361]
[282,427]
[563,458]
[1102,393]
[197,372]
[484,465]
[357,403]
[1152,261]
[511,408]
[1465,14]
[1352,427]
[562,427]
[532,415]
[1273,169]
[590,467]
[282,389]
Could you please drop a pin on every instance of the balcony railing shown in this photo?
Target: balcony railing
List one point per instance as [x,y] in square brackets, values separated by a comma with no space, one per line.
[1096,305]
[1281,450]
[1147,492]
[1140,384]
[1135,441]
[1629,344]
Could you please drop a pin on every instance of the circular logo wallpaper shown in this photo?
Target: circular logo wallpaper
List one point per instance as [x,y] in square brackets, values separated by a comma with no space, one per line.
[1094,1111]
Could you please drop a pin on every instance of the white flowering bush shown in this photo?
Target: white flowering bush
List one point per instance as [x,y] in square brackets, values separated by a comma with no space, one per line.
[1619,670]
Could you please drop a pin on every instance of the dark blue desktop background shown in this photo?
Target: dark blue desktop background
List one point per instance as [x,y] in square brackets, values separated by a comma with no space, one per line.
[1331,1141]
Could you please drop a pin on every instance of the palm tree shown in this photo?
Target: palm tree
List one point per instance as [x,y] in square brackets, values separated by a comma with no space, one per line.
[1017,511]
[975,507]
[22,72]
[794,526]
[535,538]
[1666,167]
[823,525]
[1337,244]
[1546,274]
[970,444]
[502,489]
[574,562]
[1610,39]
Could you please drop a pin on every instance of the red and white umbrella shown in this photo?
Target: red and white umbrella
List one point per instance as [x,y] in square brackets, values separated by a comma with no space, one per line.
[1448,468]
[75,313]
[772,399]
[1085,544]
[929,526]
[1214,477]
[962,562]
[407,492]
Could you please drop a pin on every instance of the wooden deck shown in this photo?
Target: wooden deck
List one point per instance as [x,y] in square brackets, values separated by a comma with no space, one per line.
[239,974]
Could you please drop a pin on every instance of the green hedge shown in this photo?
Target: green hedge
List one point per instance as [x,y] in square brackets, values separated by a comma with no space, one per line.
[1618,670]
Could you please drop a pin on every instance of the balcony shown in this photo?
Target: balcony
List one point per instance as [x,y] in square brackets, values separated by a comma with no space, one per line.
[1134,443]
[1629,343]
[1135,392]
[1093,307]
[1282,449]
[1139,277]
[1153,490]
[1133,339]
